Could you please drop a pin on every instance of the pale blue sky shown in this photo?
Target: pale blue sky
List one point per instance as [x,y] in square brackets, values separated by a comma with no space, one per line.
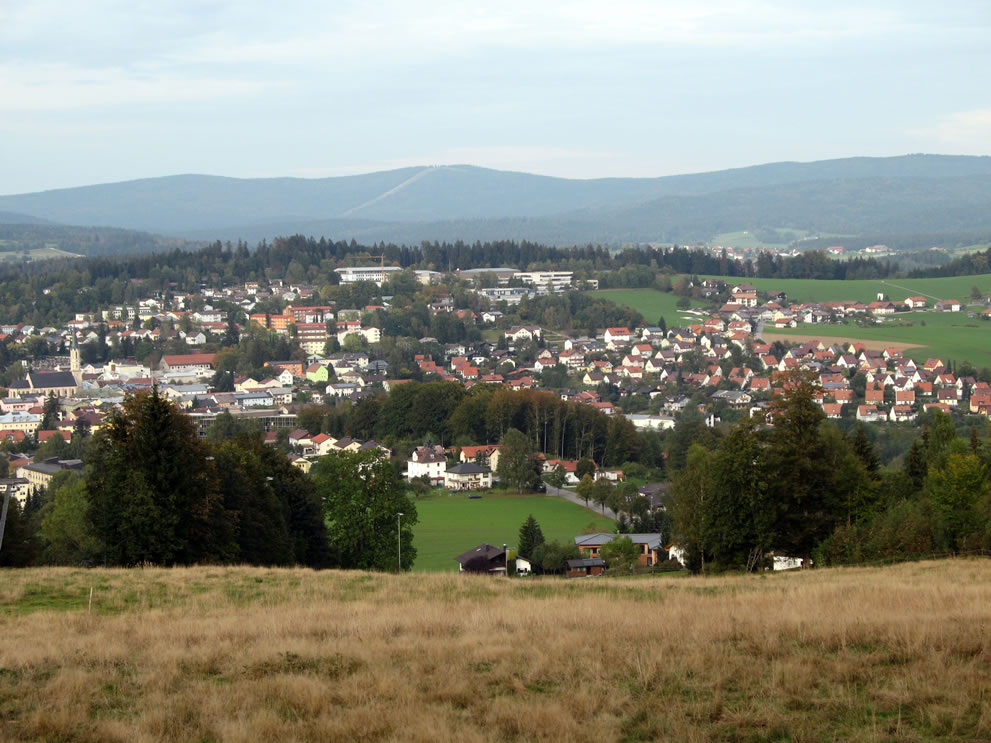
[112,90]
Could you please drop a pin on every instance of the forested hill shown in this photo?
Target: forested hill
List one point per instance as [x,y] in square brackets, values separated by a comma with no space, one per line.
[931,193]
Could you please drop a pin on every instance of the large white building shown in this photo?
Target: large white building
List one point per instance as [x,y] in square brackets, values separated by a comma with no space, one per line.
[546,282]
[508,294]
[377,274]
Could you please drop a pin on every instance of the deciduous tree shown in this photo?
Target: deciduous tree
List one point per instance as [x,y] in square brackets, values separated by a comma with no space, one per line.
[362,497]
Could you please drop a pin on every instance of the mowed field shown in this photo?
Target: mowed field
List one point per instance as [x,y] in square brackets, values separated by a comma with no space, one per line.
[650,303]
[945,335]
[453,524]
[249,654]
[811,290]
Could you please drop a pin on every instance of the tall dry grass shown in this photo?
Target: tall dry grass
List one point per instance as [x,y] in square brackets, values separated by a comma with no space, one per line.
[215,654]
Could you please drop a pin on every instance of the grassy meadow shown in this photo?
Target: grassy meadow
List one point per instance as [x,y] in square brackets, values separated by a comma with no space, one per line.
[814,290]
[946,335]
[452,524]
[248,654]
[747,240]
[650,303]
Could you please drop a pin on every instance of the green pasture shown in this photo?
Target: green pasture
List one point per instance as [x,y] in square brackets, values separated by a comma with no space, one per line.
[452,524]
[11,253]
[650,303]
[945,335]
[814,290]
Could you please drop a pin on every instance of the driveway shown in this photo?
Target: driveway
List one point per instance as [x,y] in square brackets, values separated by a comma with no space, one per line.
[568,495]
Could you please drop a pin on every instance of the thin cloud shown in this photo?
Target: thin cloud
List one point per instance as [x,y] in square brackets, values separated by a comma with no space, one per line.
[60,87]
[965,132]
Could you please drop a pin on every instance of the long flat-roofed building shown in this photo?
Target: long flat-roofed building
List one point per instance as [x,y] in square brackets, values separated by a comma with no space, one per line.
[376,274]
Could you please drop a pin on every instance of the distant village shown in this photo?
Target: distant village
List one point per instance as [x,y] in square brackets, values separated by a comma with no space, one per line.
[717,363]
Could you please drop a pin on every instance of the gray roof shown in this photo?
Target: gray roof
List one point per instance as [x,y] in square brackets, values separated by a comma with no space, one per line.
[52,379]
[653,541]
[468,468]
[589,562]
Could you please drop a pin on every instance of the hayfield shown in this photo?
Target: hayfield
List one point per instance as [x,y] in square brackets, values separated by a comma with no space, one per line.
[247,654]
[452,524]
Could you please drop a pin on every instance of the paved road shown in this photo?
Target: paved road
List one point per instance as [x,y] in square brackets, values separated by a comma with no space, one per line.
[551,490]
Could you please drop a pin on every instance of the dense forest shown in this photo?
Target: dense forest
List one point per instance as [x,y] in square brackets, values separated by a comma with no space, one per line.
[966,265]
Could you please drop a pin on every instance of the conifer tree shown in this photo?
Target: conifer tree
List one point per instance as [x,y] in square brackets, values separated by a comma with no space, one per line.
[531,537]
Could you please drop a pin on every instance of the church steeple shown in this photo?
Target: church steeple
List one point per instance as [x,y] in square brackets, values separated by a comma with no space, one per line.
[75,360]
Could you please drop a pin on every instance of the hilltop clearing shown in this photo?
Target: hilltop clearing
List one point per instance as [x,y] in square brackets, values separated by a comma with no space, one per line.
[238,654]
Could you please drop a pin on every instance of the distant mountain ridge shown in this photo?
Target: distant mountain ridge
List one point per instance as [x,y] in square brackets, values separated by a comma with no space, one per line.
[853,195]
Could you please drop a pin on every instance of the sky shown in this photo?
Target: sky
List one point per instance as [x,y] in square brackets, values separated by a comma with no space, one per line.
[113,90]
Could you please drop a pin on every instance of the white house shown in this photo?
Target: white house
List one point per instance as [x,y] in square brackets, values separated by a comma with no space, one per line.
[428,461]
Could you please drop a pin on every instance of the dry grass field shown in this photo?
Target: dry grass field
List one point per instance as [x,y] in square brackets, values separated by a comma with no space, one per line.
[900,653]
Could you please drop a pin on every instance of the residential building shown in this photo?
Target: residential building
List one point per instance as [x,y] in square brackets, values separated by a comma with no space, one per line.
[467,476]
[427,461]
[649,544]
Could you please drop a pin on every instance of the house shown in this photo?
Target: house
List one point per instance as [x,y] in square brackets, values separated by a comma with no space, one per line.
[614,336]
[915,303]
[488,454]
[523,333]
[429,462]
[317,373]
[301,463]
[322,444]
[484,559]
[947,305]
[902,414]
[467,476]
[869,414]
[301,437]
[586,567]
[649,544]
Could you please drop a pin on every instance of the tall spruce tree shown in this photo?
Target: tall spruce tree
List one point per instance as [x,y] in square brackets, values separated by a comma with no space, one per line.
[152,494]
[531,537]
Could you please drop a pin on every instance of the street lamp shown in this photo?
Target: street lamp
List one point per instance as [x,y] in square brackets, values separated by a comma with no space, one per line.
[399,539]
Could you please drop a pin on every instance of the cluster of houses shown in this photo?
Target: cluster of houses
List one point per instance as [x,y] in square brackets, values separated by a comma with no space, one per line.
[716,362]
[744,305]
[490,560]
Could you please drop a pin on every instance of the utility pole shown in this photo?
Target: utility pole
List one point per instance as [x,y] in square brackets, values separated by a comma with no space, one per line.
[399,536]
